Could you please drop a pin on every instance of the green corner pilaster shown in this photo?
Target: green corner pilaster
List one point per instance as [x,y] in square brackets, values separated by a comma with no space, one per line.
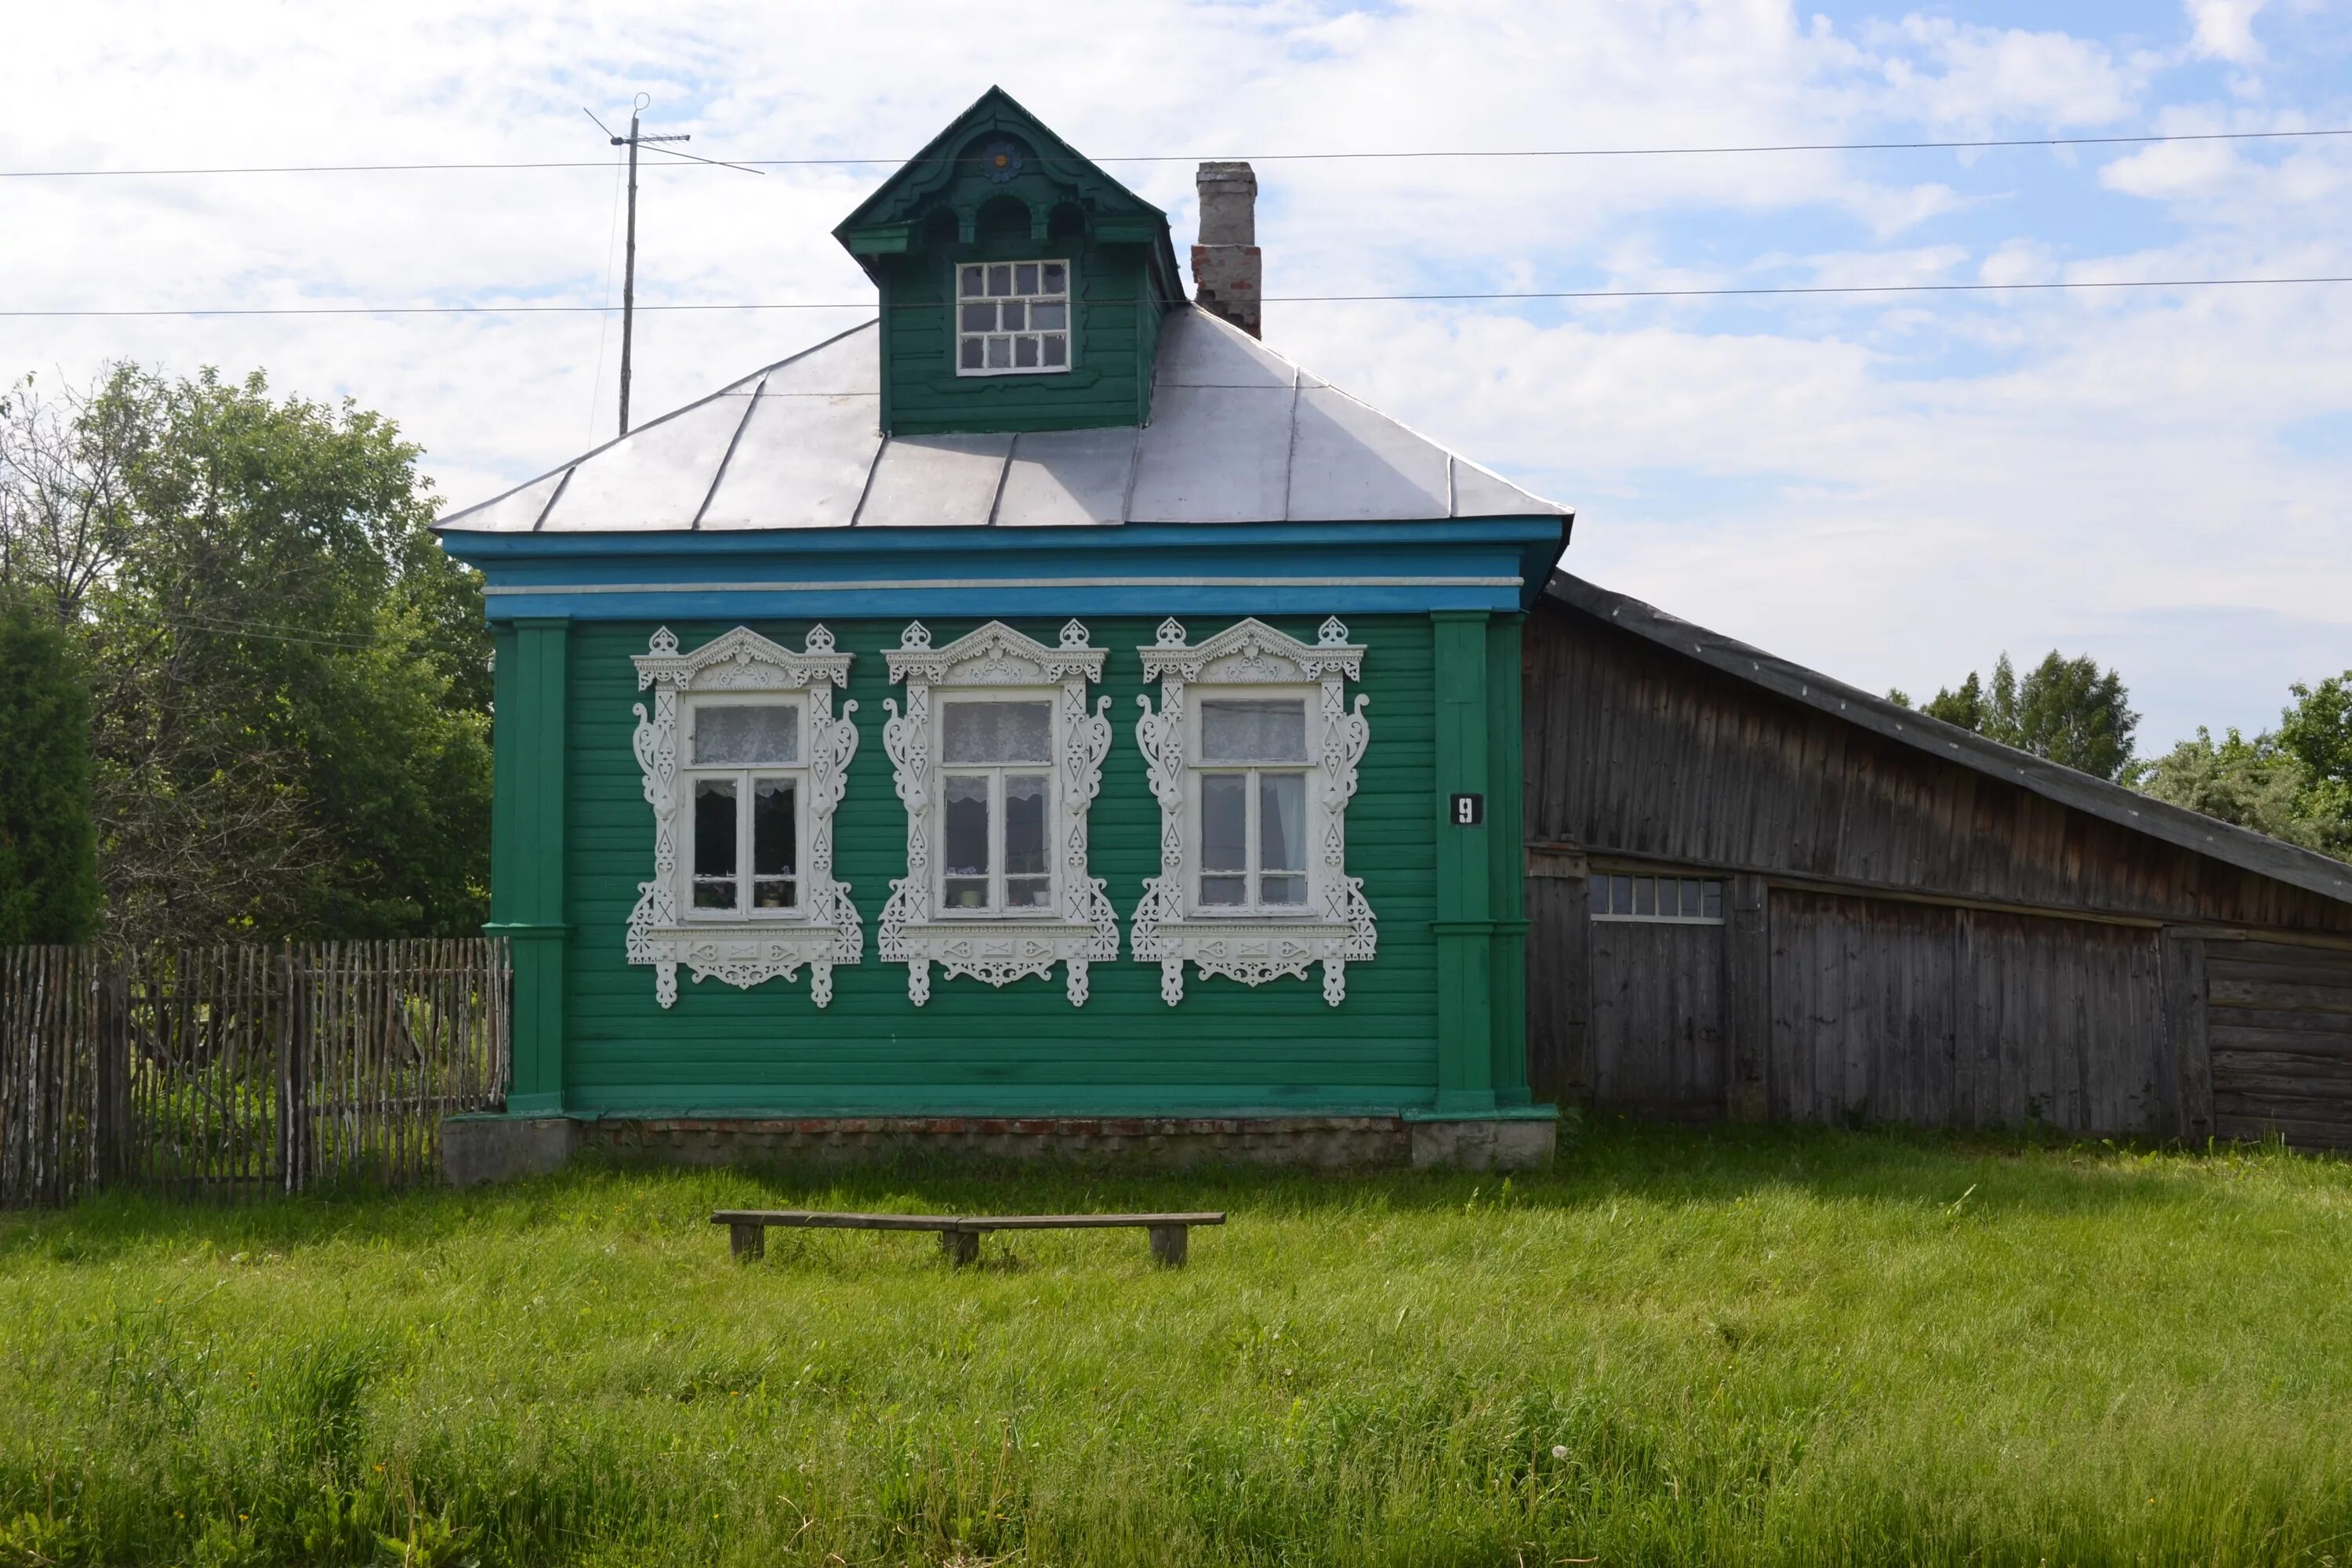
[1507,861]
[527,852]
[1464,924]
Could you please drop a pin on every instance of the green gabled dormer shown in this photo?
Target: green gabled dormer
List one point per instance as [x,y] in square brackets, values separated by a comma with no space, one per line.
[1022,288]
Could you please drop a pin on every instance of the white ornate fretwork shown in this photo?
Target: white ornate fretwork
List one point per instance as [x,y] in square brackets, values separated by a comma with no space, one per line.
[1083,929]
[1254,949]
[826,931]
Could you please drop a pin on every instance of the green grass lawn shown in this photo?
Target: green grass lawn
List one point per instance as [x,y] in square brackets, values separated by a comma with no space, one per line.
[1679,1347]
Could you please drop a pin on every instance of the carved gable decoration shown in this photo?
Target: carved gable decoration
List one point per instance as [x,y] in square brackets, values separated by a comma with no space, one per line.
[996,151]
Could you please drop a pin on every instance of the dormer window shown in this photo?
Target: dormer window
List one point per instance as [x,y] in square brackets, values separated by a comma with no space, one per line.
[1013,318]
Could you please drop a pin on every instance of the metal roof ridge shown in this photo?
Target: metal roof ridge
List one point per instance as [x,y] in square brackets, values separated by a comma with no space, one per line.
[728,457]
[2102,798]
[561,485]
[1298,377]
[1290,447]
[761,374]
[873,466]
[1003,472]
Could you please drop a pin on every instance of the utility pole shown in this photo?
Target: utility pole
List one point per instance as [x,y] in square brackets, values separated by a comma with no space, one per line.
[629,265]
[637,138]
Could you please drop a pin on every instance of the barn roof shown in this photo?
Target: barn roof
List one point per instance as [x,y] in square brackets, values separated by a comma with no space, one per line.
[1239,433]
[2174,825]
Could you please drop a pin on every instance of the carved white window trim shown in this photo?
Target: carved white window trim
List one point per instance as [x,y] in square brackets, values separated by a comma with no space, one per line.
[823,932]
[998,948]
[1254,948]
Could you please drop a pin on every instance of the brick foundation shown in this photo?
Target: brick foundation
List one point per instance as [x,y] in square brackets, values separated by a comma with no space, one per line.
[492,1147]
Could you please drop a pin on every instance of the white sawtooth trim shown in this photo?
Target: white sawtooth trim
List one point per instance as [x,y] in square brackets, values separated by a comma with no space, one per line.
[998,948]
[1167,928]
[824,932]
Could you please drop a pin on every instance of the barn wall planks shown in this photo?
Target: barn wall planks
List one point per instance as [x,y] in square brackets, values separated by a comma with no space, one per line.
[2278,1022]
[1886,1012]
[1657,1018]
[1633,749]
[1907,940]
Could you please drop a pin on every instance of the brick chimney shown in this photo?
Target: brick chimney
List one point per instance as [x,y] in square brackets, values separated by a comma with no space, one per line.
[1228,268]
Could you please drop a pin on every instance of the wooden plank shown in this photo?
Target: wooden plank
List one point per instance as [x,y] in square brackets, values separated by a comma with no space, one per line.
[2188,1044]
[1747,998]
[2323,1022]
[2228,1034]
[827,1219]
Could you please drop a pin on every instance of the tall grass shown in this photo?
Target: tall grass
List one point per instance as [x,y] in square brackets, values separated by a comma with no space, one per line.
[1759,1347]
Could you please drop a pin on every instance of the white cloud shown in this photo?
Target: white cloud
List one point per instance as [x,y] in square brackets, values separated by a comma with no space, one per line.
[1992,76]
[1892,490]
[2019,261]
[2225,30]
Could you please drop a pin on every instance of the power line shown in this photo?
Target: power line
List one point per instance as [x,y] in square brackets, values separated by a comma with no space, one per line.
[1982,143]
[1463,296]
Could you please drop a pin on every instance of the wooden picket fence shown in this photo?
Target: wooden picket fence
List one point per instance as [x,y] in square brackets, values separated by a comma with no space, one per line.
[239,1069]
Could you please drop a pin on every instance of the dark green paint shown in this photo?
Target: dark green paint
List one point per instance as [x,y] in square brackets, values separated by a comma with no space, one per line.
[944,207]
[528,858]
[973,1049]
[1464,932]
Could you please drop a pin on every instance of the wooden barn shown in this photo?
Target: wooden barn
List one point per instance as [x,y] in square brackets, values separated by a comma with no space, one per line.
[1757,892]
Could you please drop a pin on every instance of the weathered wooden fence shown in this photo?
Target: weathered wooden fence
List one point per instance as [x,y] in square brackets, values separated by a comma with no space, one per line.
[242,1069]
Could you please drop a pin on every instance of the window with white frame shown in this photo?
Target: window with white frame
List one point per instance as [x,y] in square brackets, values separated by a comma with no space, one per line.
[1252,753]
[996,802]
[1639,895]
[1013,318]
[1251,786]
[744,763]
[745,777]
[999,757]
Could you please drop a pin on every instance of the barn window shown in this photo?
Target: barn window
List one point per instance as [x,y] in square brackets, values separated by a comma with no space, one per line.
[1252,753]
[1013,318]
[998,757]
[1627,896]
[743,761]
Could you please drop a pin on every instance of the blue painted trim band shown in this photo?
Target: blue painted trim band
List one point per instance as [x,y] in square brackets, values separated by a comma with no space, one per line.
[1490,564]
[985,602]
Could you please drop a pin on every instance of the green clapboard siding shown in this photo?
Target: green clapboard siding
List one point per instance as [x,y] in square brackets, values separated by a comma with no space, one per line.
[1021,1047]
[1115,341]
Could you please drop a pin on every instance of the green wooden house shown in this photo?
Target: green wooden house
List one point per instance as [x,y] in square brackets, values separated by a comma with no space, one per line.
[1042,718]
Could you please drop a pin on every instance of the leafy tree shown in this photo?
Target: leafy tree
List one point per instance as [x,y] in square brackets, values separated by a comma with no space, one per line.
[2067,709]
[2317,732]
[292,680]
[48,861]
[2255,784]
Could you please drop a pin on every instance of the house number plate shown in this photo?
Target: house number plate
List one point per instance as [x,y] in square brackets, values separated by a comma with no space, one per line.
[1469,810]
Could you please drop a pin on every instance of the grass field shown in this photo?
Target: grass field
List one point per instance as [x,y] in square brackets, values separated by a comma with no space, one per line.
[1679,1347]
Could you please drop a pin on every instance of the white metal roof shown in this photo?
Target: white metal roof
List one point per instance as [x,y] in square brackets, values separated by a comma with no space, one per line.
[1238,434]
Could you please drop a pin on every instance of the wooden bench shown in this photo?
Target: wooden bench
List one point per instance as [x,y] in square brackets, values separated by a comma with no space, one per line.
[747,1230]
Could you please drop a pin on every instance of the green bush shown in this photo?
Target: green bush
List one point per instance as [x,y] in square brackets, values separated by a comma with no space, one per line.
[49,855]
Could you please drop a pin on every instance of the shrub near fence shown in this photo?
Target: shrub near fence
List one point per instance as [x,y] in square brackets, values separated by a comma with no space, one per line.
[242,1069]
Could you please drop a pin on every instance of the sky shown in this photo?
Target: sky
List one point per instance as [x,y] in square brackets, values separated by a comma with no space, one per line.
[1891,489]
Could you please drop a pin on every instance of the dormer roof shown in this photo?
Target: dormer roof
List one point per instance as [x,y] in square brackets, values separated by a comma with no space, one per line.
[993,151]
